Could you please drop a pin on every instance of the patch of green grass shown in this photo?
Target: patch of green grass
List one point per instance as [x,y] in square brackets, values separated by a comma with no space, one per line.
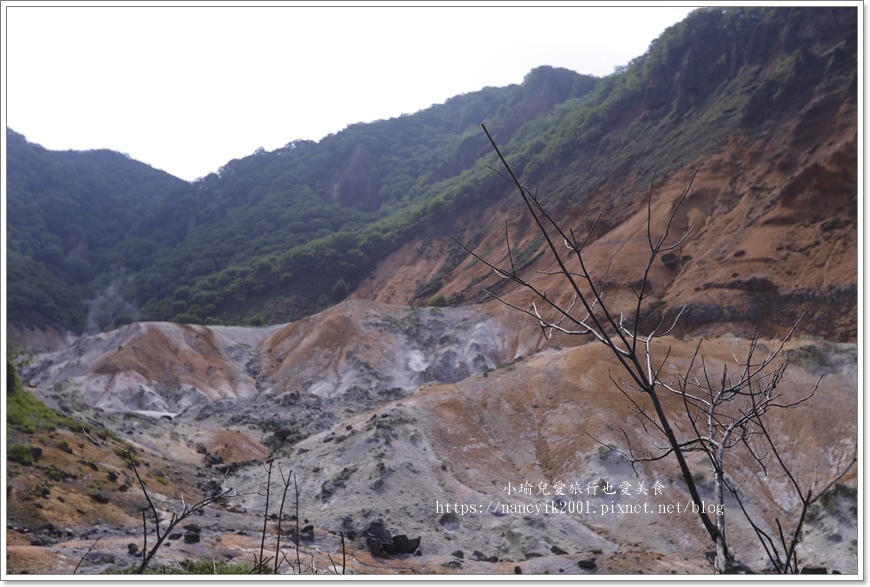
[56,474]
[212,568]
[438,301]
[25,412]
[21,454]
[189,567]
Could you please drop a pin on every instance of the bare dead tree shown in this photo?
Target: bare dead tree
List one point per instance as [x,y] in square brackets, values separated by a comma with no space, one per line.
[719,413]
[298,538]
[280,557]
[261,562]
[160,533]
[176,518]
[749,428]
[286,481]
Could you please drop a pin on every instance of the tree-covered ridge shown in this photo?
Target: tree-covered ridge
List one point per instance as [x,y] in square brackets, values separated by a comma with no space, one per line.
[276,235]
[84,222]
[303,224]
[719,72]
[66,211]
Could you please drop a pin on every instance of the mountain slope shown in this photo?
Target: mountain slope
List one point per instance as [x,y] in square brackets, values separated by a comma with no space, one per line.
[290,230]
[762,102]
[386,411]
[769,131]
[66,212]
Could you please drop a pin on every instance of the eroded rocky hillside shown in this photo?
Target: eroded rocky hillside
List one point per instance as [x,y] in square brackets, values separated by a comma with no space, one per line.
[419,391]
[385,414]
[761,103]
[772,221]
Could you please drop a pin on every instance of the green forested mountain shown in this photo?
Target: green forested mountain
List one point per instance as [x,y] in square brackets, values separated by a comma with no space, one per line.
[66,211]
[303,222]
[276,235]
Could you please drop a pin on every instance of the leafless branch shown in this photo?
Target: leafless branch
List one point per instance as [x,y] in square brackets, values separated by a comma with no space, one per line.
[721,410]
[84,556]
[127,455]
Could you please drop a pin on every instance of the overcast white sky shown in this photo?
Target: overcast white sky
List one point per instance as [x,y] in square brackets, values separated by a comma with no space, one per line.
[187,89]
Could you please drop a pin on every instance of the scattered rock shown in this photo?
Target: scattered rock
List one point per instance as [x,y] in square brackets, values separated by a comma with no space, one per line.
[192,533]
[227,468]
[212,488]
[587,563]
[100,497]
[381,544]
[458,554]
[191,537]
[556,550]
[102,558]
[403,545]
[306,534]
[329,487]
[212,459]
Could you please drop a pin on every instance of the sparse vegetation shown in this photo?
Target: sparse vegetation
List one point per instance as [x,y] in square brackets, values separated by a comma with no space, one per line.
[21,453]
[722,414]
[89,462]
[275,236]
[26,413]
[199,567]
[438,301]
[282,233]
[834,223]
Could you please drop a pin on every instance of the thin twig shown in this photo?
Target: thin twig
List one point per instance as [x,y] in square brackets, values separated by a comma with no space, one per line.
[286,482]
[92,547]
[265,514]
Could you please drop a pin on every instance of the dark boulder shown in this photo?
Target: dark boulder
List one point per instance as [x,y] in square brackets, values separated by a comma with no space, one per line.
[191,537]
[381,544]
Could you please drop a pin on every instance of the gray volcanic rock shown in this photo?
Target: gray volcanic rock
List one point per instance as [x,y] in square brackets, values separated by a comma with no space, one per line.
[361,352]
[425,422]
